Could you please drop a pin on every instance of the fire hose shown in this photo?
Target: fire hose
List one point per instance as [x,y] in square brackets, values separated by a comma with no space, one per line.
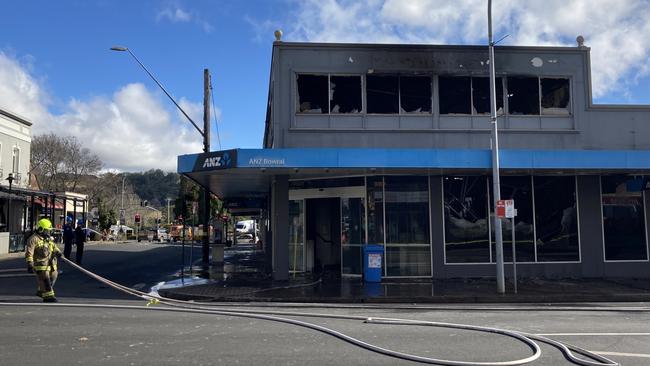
[173,305]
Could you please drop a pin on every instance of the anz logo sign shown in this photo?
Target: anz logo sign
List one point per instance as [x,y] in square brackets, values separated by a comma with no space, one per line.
[218,160]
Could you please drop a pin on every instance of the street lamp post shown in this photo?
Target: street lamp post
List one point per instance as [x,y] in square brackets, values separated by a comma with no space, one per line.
[496,184]
[122,213]
[205,134]
[10,178]
[169,220]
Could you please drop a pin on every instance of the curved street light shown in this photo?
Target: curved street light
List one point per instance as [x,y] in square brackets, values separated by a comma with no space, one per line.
[125,49]
[205,134]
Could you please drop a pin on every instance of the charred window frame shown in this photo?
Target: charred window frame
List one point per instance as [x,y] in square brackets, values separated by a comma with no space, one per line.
[523,95]
[481,95]
[382,94]
[455,94]
[556,96]
[312,94]
[415,94]
[345,94]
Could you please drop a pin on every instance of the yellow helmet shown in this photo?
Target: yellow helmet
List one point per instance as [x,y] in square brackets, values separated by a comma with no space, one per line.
[44,224]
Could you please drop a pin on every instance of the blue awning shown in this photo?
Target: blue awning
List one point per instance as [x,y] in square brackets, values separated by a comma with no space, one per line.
[248,170]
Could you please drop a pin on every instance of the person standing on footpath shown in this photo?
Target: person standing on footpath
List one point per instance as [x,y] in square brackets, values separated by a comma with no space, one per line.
[41,255]
[79,240]
[68,237]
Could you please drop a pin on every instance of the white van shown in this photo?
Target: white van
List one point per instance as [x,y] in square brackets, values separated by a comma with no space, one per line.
[246,227]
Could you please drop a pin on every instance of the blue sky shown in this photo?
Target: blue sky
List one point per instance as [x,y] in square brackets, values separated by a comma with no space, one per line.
[56,68]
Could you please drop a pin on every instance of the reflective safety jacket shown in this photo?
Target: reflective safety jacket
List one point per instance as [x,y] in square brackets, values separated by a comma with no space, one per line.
[40,253]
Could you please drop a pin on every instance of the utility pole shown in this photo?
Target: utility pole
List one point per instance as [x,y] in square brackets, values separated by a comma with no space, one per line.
[496,184]
[169,218]
[206,149]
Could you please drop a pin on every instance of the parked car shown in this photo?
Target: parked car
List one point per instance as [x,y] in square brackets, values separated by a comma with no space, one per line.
[159,235]
[245,239]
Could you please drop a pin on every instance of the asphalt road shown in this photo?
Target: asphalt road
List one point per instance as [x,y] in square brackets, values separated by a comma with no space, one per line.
[132,264]
[56,335]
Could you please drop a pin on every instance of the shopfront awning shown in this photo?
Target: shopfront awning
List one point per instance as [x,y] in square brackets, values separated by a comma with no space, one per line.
[249,172]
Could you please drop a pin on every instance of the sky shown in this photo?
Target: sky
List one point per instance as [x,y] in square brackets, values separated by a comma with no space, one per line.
[56,68]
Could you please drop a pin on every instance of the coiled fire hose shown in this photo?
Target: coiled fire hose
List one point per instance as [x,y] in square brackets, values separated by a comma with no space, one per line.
[191,307]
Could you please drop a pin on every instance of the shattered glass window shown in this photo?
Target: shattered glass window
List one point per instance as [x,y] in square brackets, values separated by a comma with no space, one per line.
[455,94]
[415,94]
[345,94]
[523,95]
[481,95]
[555,96]
[382,94]
[312,94]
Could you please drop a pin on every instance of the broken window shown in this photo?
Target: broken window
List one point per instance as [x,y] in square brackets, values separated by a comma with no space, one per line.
[481,95]
[382,94]
[555,96]
[415,94]
[455,95]
[312,93]
[523,95]
[345,94]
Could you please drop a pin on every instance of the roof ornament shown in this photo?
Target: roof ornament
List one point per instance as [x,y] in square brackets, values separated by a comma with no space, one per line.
[278,35]
[581,41]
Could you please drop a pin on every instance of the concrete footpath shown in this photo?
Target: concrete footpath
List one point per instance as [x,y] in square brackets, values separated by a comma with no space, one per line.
[415,291]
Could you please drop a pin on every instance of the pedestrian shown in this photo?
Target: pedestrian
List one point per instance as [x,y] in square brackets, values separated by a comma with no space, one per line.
[41,255]
[79,240]
[68,237]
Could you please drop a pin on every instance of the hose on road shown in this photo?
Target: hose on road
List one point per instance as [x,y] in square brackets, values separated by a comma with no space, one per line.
[280,316]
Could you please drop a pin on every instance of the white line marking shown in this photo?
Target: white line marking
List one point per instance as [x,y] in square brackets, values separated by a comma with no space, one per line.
[592,334]
[12,269]
[642,355]
[16,275]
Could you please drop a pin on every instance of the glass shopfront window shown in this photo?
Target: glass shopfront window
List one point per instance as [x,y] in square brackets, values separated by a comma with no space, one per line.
[520,190]
[623,218]
[466,219]
[556,219]
[375,196]
[408,249]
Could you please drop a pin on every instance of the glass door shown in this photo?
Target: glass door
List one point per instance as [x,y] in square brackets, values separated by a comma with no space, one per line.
[353,235]
[297,236]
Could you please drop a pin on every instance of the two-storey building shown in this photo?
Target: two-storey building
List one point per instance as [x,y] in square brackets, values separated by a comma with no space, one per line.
[390,145]
[15,142]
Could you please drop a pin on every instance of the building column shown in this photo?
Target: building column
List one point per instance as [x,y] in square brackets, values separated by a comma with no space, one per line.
[280,225]
[437,227]
[591,226]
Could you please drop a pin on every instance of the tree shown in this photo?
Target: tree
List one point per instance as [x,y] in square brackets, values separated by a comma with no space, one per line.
[60,162]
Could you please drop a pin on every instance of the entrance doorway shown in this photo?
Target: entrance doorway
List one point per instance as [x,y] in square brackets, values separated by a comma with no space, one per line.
[323,235]
[334,222]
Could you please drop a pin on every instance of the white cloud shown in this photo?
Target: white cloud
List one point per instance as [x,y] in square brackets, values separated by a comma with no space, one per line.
[130,130]
[618,31]
[19,91]
[175,14]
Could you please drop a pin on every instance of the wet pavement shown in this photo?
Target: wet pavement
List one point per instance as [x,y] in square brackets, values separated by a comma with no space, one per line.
[242,279]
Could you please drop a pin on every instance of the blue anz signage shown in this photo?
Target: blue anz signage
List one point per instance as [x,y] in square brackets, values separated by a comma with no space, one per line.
[216,160]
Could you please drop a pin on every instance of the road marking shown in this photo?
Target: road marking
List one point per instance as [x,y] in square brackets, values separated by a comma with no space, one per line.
[12,269]
[592,334]
[16,275]
[622,354]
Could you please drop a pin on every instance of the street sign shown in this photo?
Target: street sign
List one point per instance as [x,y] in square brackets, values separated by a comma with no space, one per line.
[506,209]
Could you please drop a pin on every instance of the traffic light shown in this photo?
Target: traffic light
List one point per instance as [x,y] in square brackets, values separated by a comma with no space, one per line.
[144,203]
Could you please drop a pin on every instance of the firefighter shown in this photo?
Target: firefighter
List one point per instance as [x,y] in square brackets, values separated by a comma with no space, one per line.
[41,255]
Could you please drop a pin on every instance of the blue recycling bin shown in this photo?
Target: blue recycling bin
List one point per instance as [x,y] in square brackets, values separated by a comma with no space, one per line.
[373,259]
